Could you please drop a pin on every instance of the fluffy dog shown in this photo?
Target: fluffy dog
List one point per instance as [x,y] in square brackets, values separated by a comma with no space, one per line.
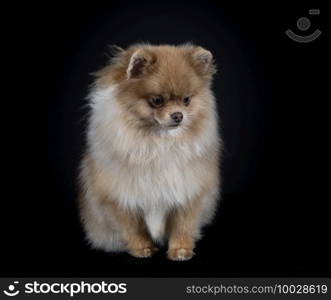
[150,172]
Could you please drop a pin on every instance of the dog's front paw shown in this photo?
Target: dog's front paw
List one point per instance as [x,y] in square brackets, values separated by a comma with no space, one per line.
[143,252]
[180,254]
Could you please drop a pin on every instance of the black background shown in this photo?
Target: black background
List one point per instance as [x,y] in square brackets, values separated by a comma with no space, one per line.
[271,93]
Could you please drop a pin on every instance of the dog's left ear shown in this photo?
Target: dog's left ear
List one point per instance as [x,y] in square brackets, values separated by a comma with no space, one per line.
[203,62]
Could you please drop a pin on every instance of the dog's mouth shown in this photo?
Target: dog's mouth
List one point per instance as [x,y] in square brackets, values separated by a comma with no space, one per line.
[175,125]
[167,126]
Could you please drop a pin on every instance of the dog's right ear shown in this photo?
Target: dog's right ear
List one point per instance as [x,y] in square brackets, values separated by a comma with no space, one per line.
[139,64]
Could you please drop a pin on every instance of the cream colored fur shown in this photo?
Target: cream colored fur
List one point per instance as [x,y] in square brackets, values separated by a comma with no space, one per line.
[150,174]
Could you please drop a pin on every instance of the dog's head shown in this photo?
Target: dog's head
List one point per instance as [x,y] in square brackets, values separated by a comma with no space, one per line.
[162,87]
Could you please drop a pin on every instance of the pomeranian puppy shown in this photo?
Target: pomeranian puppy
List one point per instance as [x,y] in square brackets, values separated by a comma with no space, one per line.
[150,173]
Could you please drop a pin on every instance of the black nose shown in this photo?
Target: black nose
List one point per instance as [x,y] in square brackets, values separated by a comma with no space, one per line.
[177,116]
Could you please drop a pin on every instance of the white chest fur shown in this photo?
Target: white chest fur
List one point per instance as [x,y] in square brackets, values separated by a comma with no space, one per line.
[145,173]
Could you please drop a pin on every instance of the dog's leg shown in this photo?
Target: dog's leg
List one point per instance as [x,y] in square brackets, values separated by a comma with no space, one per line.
[134,231]
[183,229]
[130,229]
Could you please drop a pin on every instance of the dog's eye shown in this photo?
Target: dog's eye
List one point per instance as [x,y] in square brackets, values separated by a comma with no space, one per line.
[157,101]
[187,100]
